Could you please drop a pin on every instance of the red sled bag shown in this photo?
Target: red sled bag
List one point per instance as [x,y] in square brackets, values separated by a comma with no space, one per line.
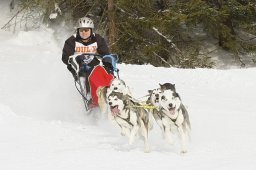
[98,77]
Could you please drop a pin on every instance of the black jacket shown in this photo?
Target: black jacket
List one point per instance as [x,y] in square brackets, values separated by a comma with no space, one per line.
[72,43]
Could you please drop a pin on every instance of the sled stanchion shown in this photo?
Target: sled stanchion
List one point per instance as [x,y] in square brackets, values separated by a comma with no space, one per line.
[81,91]
[84,98]
[117,72]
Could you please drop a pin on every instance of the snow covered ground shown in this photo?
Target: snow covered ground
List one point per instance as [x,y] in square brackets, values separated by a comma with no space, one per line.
[43,124]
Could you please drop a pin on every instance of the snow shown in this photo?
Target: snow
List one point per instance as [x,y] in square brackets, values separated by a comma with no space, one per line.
[43,124]
[53,15]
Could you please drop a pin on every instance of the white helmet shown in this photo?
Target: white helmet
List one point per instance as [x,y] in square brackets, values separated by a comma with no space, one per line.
[85,22]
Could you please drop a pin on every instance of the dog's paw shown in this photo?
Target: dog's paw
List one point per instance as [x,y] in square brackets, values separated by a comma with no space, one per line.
[131,140]
[183,152]
[124,132]
[147,148]
[170,141]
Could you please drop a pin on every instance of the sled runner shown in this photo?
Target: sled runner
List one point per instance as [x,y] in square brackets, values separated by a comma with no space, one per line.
[97,71]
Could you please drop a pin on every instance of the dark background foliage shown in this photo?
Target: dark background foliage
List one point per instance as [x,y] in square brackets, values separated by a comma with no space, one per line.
[161,32]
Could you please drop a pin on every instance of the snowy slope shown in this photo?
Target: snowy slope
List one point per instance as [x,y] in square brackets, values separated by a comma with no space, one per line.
[43,124]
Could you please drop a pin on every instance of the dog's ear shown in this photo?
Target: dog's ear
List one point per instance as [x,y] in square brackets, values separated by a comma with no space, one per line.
[123,82]
[174,88]
[119,95]
[161,87]
[148,100]
[175,94]
[126,99]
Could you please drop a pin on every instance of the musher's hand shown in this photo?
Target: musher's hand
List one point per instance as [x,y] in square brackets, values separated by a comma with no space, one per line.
[110,59]
[84,58]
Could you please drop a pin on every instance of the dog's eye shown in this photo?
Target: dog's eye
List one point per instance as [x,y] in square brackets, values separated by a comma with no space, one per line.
[163,98]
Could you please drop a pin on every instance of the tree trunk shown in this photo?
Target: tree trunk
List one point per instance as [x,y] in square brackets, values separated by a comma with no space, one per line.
[111,24]
[223,39]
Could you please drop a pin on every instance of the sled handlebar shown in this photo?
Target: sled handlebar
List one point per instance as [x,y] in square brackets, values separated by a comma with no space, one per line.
[99,56]
[81,61]
[92,54]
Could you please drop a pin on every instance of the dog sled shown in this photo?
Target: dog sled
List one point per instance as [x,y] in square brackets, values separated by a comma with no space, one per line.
[92,76]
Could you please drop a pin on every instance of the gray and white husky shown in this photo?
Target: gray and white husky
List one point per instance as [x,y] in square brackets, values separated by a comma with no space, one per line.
[170,114]
[132,120]
[154,99]
[116,85]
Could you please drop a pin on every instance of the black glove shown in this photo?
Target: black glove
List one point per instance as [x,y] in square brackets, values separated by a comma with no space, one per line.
[79,59]
[84,59]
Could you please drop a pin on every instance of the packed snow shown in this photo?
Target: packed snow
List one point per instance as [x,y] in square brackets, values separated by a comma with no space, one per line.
[43,124]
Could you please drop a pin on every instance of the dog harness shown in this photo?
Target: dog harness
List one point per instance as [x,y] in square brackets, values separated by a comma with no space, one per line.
[126,119]
[174,120]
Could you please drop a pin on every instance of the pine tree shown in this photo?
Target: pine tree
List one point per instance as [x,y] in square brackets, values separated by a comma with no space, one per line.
[164,32]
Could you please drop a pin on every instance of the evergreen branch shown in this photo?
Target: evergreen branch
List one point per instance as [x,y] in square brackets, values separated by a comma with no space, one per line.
[162,59]
[17,13]
[168,40]
[122,10]
[247,39]
[239,59]
[205,54]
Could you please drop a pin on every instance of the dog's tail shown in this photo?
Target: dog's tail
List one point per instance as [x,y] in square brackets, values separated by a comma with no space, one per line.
[101,93]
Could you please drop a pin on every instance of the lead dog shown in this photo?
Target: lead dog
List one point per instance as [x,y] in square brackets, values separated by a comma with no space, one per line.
[129,118]
[171,114]
[116,85]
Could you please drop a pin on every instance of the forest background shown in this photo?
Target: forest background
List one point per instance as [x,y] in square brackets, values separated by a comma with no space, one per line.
[169,33]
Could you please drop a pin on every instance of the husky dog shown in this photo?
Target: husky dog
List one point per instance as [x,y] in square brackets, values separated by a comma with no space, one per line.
[170,114]
[116,85]
[131,119]
[154,98]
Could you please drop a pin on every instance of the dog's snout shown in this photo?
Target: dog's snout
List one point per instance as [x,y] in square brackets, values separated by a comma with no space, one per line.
[115,88]
[110,103]
[170,105]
